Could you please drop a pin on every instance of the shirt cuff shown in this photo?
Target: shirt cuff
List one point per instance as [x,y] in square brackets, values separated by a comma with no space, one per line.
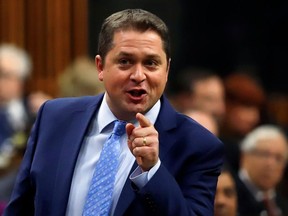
[141,178]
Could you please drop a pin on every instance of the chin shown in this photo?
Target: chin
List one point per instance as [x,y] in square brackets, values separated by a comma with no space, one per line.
[136,108]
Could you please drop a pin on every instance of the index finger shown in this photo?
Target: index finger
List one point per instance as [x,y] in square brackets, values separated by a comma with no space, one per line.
[143,121]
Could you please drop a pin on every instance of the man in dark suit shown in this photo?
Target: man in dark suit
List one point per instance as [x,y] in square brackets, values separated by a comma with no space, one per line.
[16,113]
[15,67]
[169,164]
[264,157]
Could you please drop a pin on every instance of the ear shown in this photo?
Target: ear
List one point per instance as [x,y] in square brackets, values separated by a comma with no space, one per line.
[168,68]
[99,66]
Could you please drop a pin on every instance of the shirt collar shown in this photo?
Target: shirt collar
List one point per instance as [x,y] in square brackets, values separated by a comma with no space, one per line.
[257,193]
[105,116]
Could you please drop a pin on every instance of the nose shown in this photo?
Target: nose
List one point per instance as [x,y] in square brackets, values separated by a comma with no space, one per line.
[220,199]
[138,74]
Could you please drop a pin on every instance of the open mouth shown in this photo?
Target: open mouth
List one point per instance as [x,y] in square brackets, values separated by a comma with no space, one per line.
[137,93]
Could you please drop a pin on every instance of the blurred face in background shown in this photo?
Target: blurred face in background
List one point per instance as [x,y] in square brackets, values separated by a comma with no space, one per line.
[208,95]
[245,98]
[205,119]
[266,163]
[226,196]
[11,84]
[241,118]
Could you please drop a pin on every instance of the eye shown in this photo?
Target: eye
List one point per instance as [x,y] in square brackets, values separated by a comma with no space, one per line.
[124,61]
[152,64]
[230,192]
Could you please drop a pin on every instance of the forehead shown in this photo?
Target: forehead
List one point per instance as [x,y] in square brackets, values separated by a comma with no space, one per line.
[134,38]
[210,81]
[225,179]
[10,66]
[277,143]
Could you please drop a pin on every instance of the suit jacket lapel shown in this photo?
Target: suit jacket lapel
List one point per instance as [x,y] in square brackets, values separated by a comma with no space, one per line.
[163,125]
[80,122]
[127,195]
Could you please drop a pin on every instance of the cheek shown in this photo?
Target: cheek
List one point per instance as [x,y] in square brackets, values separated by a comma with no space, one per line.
[278,174]
[113,81]
[158,81]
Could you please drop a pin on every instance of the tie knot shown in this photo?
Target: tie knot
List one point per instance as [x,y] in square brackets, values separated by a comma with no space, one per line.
[119,127]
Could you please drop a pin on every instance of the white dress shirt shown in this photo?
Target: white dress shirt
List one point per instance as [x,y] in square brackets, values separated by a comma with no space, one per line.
[90,153]
[17,115]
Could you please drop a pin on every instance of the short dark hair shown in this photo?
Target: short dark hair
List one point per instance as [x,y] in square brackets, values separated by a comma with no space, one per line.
[184,81]
[243,88]
[135,19]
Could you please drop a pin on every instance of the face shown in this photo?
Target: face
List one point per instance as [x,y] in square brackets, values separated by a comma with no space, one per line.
[226,197]
[209,96]
[241,119]
[265,165]
[11,85]
[205,119]
[135,72]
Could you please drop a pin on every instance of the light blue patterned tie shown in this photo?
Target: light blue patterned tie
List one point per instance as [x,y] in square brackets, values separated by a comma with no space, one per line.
[99,196]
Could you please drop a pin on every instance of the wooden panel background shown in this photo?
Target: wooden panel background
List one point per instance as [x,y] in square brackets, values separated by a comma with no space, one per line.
[54,32]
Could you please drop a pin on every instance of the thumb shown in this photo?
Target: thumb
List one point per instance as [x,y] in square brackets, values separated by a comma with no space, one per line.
[129,128]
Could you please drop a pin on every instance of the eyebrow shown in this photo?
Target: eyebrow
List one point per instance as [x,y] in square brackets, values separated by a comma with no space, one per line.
[124,54]
[149,56]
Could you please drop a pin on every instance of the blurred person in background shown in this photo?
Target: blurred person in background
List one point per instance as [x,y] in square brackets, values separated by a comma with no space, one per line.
[79,79]
[205,119]
[277,106]
[200,89]
[264,153]
[226,194]
[245,99]
[17,113]
[15,67]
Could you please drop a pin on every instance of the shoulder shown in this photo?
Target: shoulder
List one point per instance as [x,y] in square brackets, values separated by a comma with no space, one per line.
[64,108]
[188,131]
[72,103]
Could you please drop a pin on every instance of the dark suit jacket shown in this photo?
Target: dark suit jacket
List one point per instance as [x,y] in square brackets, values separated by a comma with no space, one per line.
[249,206]
[6,130]
[185,184]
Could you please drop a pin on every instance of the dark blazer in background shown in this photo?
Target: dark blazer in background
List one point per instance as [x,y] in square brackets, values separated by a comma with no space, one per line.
[249,206]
